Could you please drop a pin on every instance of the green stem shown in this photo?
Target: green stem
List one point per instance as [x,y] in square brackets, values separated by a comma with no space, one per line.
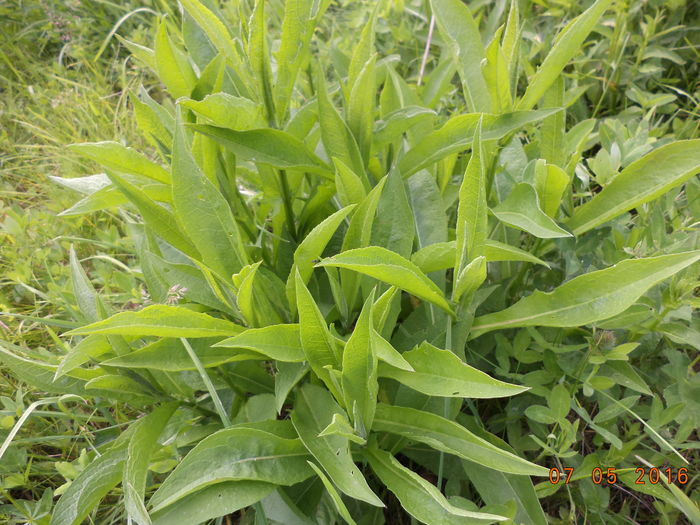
[287,200]
[207,381]
[446,401]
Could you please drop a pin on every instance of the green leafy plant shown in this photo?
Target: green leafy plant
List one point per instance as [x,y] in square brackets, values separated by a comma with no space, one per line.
[340,265]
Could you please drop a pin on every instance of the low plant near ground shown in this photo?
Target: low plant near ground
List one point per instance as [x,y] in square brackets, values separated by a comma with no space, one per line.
[360,276]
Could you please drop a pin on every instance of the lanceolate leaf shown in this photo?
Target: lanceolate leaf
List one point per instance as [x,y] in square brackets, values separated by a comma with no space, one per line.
[204,213]
[313,412]
[521,209]
[119,158]
[213,501]
[472,212]
[280,342]
[568,44]
[85,294]
[457,133]
[316,339]
[337,138]
[391,268]
[337,500]
[161,321]
[268,146]
[642,181]
[156,217]
[169,355]
[418,497]
[37,374]
[440,256]
[312,247]
[143,443]
[359,377]
[441,373]
[587,298]
[461,31]
[235,454]
[448,436]
[91,485]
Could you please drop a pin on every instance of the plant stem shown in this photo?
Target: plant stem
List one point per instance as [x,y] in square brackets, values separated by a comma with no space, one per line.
[446,401]
[287,200]
[207,381]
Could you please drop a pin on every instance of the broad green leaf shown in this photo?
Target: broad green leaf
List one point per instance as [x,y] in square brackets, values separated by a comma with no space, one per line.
[227,111]
[268,146]
[120,386]
[394,227]
[192,280]
[85,185]
[173,66]
[472,211]
[550,182]
[470,278]
[169,355]
[568,44]
[457,133]
[316,339]
[441,373]
[552,132]
[91,485]
[156,217]
[461,31]
[213,501]
[340,426]
[259,296]
[349,186]
[220,38]
[497,77]
[280,342]
[38,374]
[333,493]
[142,53]
[121,159]
[391,268]
[497,488]
[111,197]
[363,51]
[361,105]
[387,353]
[440,256]
[143,443]
[297,30]
[312,247]
[588,298]
[287,376]
[640,182]
[90,347]
[418,497]
[161,321]
[359,374]
[204,213]
[259,57]
[521,210]
[235,454]
[625,375]
[313,411]
[85,294]
[338,140]
[428,208]
[448,436]
[396,123]
[359,235]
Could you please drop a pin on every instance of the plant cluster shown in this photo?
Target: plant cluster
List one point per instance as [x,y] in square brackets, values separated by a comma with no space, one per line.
[384,281]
